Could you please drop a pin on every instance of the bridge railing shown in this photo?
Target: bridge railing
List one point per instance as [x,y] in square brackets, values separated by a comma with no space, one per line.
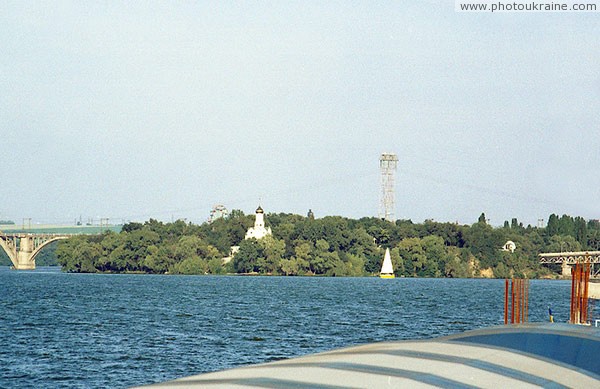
[35,235]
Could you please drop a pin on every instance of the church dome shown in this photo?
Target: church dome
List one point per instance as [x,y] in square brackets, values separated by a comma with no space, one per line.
[259,210]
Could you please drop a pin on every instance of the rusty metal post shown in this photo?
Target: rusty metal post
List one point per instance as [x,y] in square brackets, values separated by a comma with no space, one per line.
[573,296]
[512,301]
[525,297]
[522,300]
[580,294]
[517,300]
[505,301]
[584,300]
[581,286]
[576,310]
[527,301]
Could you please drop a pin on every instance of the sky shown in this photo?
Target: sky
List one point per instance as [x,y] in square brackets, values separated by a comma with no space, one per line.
[138,110]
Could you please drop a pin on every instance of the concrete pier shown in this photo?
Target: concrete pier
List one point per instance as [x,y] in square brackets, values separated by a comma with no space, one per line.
[594,290]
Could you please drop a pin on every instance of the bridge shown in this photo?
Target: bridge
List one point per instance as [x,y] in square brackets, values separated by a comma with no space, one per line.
[570,258]
[22,248]
[23,244]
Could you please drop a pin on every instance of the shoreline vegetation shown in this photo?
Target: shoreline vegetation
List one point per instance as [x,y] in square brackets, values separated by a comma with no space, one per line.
[329,246]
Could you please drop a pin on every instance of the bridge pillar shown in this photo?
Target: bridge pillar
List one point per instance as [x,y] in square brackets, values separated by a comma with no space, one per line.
[25,254]
[566,269]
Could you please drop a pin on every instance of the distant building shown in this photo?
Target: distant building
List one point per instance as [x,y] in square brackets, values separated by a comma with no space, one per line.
[258,231]
[509,246]
[218,212]
[232,251]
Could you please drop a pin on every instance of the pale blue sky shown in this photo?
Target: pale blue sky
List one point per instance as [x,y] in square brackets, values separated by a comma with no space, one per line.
[132,110]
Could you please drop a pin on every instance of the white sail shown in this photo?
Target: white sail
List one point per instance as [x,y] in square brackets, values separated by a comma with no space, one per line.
[387,267]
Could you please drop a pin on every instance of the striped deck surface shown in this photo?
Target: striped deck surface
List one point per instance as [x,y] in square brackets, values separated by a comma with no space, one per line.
[516,356]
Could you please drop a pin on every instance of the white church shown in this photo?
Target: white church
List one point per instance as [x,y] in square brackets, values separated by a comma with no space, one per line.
[258,231]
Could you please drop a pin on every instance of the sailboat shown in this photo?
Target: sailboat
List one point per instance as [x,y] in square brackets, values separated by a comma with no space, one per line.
[387,270]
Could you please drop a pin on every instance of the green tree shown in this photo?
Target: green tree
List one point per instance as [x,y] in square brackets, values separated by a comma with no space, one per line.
[78,255]
[245,261]
[362,245]
[135,249]
[514,224]
[88,254]
[130,227]
[415,259]
[502,271]
[215,266]
[455,266]
[160,259]
[380,235]
[435,251]
[404,229]
[580,230]
[273,250]
[191,265]
[397,262]
[334,230]
[323,261]
[566,225]
[284,232]
[561,243]
[593,242]
[68,253]
[302,257]
[289,267]
[354,266]
[553,225]
[484,243]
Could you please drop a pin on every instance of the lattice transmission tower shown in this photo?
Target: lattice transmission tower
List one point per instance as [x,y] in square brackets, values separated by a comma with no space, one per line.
[388,163]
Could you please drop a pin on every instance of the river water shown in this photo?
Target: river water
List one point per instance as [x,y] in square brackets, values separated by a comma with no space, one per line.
[98,331]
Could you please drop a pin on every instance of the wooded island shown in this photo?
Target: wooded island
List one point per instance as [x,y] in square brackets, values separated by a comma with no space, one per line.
[329,246]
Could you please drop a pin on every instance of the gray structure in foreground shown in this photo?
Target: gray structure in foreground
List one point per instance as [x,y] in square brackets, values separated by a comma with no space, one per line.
[527,355]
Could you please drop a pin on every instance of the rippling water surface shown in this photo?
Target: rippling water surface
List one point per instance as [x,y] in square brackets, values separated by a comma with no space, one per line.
[86,330]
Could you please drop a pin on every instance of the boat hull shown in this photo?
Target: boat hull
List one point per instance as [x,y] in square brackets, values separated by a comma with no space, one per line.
[387,276]
[540,355]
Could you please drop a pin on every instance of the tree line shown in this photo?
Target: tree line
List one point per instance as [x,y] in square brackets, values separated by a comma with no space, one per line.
[329,246]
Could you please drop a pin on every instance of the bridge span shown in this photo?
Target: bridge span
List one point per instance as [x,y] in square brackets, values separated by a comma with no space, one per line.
[22,248]
[570,258]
